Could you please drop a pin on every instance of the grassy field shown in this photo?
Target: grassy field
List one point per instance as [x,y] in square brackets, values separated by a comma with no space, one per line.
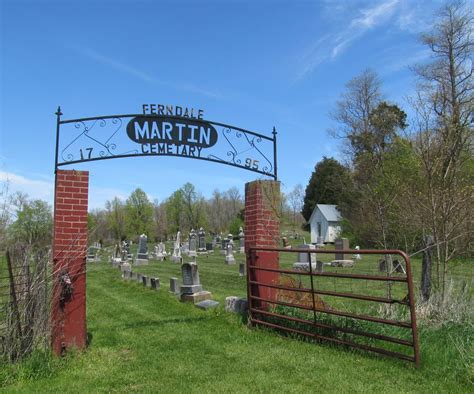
[148,341]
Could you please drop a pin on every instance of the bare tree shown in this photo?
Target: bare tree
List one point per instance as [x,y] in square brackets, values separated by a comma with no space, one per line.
[444,106]
[352,113]
[295,199]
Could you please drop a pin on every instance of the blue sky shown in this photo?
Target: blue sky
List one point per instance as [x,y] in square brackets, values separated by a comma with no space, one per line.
[252,64]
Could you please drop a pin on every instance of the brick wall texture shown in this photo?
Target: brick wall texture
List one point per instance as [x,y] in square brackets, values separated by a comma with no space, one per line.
[262,229]
[68,319]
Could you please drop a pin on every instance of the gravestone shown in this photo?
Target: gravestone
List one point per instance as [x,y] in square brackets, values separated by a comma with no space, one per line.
[160,251]
[201,240]
[207,304]
[286,243]
[176,257]
[162,247]
[174,285]
[191,289]
[224,243]
[127,275]
[192,244]
[209,247]
[236,305]
[229,258]
[190,275]
[155,283]
[125,267]
[241,269]
[342,260]
[341,244]
[241,240]
[126,251]
[91,254]
[145,280]
[142,254]
[303,259]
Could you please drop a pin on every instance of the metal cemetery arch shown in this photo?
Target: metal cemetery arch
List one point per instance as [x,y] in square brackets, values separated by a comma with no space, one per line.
[116,136]
[105,137]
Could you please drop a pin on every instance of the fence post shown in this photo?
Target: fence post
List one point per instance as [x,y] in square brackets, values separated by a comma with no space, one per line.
[262,229]
[68,309]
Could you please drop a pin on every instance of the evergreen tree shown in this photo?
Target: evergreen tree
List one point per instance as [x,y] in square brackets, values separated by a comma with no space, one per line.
[330,183]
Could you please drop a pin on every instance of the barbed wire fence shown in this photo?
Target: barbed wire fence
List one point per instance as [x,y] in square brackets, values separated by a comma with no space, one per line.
[27,293]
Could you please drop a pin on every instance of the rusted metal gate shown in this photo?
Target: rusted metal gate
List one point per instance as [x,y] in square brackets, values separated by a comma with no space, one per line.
[337,304]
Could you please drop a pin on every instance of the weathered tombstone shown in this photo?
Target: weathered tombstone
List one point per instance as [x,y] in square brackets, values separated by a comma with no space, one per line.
[224,243]
[191,283]
[201,240]
[139,277]
[229,258]
[209,247]
[185,248]
[176,257]
[142,254]
[162,247]
[241,269]
[286,243]
[241,240]
[127,256]
[125,267]
[145,280]
[303,260]
[341,244]
[319,266]
[236,305]
[191,289]
[91,254]
[174,285]
[127,275]
[155,283]
[342,260]
[160,251]
[207,304]
[192,244]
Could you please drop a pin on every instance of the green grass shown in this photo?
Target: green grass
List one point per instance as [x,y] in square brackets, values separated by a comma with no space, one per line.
[148,341]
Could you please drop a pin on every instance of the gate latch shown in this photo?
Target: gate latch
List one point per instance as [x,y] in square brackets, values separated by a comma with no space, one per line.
[67,289]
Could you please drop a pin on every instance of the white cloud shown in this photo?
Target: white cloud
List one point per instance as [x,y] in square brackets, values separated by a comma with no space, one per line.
[40,189]
[34,188]
[375,15]
[330,46]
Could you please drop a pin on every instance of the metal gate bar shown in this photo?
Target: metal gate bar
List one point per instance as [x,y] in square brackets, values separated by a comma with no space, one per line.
[258,313]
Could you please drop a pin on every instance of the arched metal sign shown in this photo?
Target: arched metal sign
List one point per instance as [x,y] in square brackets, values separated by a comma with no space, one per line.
[163,134]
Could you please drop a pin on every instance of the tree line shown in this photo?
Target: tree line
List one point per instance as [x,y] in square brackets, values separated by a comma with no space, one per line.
[408,182]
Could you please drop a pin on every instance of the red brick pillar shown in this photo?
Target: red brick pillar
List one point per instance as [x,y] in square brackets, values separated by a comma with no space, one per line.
[262,229]
[68,313]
